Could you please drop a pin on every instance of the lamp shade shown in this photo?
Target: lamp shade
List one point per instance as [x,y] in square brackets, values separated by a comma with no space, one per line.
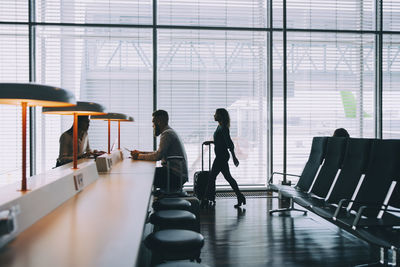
[112,117]
[82,109]
[35,95]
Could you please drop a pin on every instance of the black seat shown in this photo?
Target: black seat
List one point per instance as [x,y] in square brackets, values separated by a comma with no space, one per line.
[172,204]
[335,152]
[373,221]
[371,200]
[175,245]
[175,219]
[353,166]
[387,238]
[315,159]
[317,156]
[311,169]
[194,204]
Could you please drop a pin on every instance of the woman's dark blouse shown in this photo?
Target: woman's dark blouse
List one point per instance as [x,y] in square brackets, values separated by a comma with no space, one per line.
[222,142]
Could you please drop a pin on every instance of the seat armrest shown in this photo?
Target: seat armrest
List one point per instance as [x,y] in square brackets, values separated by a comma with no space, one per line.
[340,207]
[281,173]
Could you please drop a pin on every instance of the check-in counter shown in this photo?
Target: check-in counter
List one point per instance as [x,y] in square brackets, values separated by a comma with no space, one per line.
[100,225]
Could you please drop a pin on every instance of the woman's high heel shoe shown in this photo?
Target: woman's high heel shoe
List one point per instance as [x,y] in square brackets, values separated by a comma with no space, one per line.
[241,200]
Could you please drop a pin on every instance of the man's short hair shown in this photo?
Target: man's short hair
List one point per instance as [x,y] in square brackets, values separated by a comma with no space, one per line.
[161,115]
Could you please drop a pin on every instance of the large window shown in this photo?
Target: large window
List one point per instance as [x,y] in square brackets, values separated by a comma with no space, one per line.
[110,66]
[330,75]
[14,67]
[222,13]
[391,84]
[192,57]
[330,85]
[391,70]
[14,11]
[94,11]
[200,71]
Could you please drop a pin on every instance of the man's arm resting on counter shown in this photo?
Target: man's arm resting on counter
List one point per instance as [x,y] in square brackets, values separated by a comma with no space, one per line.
[156,155]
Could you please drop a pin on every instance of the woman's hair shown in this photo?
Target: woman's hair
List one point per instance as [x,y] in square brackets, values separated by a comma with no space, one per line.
[224,118]
[80,120]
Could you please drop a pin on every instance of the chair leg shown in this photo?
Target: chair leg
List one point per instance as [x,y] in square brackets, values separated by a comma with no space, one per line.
[388,257]
[291,208]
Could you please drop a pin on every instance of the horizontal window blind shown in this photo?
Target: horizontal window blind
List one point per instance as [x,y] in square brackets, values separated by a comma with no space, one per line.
[327,14]
[14,10]
[95,11]
[391,83]
[330,75]
[330,85]
[236,13]
[109,66]
[277,13]
[391,15]
[14,67]
[199,71]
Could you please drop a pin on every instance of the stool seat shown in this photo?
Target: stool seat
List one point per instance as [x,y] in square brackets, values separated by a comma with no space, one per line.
[174,219]
[172,204]
[175,244]
[194,202]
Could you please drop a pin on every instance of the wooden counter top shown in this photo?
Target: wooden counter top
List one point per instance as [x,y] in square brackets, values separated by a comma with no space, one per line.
[100,226]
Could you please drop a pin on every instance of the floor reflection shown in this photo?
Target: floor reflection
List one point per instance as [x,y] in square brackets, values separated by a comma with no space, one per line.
[251,237]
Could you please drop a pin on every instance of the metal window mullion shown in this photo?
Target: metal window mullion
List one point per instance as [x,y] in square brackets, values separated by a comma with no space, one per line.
[270,90]
[182,27]
[154,64]
[284,58]
[378,69]
[32,78]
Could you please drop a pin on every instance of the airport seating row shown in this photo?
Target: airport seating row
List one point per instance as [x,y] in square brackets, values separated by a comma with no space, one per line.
[355,184]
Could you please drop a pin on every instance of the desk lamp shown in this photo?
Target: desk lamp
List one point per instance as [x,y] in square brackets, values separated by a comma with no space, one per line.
[30,94]
[81,109]
[113,117]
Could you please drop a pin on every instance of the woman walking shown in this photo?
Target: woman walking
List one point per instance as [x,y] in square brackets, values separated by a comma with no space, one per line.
[223,142]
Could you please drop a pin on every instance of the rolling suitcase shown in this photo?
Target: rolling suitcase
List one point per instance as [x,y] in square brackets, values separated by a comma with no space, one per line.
[201,177]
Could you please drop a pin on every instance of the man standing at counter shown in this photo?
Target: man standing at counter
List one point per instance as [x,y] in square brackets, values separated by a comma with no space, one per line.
[170,145]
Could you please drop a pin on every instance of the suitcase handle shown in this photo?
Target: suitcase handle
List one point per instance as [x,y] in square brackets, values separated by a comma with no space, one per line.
[206,143]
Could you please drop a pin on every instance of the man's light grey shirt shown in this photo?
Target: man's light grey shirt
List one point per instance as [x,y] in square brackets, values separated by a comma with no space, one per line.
[170,145]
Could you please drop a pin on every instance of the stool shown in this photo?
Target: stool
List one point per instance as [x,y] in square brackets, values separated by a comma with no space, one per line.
[172,204]
[181,264]
[175,219]
[194,202]
[175,245]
